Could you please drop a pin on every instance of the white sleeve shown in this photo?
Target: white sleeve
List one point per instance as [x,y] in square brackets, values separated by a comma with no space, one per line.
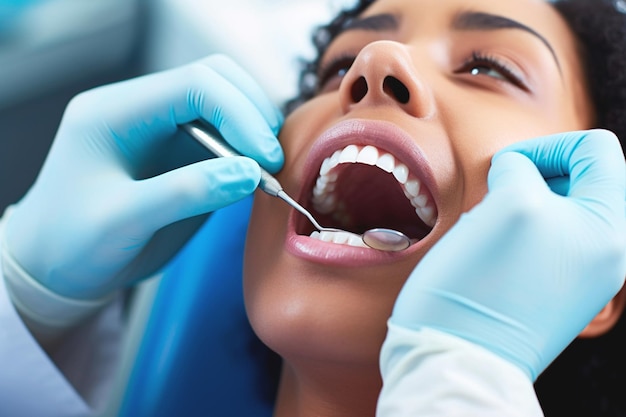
[428,373]
[72,380]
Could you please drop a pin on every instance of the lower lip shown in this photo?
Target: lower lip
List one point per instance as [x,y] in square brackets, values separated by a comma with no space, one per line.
[333,254]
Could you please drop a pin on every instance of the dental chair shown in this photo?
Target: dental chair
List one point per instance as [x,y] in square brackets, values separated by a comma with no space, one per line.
[198,355]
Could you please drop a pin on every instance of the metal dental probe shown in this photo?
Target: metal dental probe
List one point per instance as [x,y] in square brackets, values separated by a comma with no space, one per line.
[378,238]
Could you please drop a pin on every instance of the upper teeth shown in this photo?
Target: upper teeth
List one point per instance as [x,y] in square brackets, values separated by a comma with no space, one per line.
[325,201]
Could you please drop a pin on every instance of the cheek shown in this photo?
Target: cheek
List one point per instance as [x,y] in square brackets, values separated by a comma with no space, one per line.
[479,135]
[305,124]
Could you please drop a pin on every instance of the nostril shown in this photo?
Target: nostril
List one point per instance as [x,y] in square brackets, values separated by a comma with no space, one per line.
[396,88]
[359,89]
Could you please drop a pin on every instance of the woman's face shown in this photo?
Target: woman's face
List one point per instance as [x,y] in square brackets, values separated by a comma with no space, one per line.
[429,90]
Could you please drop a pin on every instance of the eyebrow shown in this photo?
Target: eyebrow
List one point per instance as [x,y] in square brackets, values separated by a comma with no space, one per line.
[485,21]
[468,20]
[375,23]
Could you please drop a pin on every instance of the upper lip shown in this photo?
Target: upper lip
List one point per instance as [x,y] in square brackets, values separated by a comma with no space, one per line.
[383,135]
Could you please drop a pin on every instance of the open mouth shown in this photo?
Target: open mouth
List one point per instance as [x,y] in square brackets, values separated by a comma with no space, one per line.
[362,187]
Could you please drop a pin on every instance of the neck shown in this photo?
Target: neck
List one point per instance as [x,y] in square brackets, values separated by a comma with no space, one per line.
[327,390]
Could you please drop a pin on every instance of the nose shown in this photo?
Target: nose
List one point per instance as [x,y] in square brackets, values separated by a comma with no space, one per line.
[383,74]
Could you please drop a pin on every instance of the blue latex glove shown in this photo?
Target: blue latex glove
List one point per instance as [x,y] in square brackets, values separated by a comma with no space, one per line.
[524,271]
[120,170]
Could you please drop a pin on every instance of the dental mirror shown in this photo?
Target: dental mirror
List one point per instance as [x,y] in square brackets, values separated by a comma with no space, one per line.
[386,239]
[379,238]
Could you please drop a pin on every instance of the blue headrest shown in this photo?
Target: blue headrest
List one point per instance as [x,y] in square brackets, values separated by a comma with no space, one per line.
[199,356]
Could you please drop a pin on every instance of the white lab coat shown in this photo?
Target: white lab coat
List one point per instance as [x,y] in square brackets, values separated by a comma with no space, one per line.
[426,373]
[33,384]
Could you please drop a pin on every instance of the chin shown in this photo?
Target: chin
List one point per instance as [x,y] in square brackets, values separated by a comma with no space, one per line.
[319,325]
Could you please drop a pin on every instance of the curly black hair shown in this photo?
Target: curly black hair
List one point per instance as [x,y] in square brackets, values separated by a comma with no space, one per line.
[589,377]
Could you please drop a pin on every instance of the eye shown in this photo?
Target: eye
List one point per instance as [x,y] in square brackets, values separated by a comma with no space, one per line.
[329,75]
[487,65]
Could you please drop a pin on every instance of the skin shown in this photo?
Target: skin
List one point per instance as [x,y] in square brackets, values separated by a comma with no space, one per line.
[327,321]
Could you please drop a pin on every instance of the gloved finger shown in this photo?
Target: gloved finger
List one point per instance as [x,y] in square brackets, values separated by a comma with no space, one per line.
[229,110]
[228,69]
[194,189]
[598,168]
[559,185]
[593,160]
[154,105]
[513,172]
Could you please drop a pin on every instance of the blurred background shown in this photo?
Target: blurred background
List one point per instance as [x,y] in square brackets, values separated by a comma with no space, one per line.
[52,49]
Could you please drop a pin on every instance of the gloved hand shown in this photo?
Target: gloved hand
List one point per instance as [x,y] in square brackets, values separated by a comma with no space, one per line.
[118,172]
[523,272]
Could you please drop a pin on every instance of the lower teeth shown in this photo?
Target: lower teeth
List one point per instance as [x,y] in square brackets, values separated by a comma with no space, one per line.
[341,238]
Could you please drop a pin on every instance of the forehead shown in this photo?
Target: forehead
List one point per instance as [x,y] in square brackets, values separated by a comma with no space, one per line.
[537,15]
[532,12]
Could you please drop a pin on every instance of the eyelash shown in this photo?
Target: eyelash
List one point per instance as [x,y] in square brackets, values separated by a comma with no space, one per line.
[478,58]
[332,69]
